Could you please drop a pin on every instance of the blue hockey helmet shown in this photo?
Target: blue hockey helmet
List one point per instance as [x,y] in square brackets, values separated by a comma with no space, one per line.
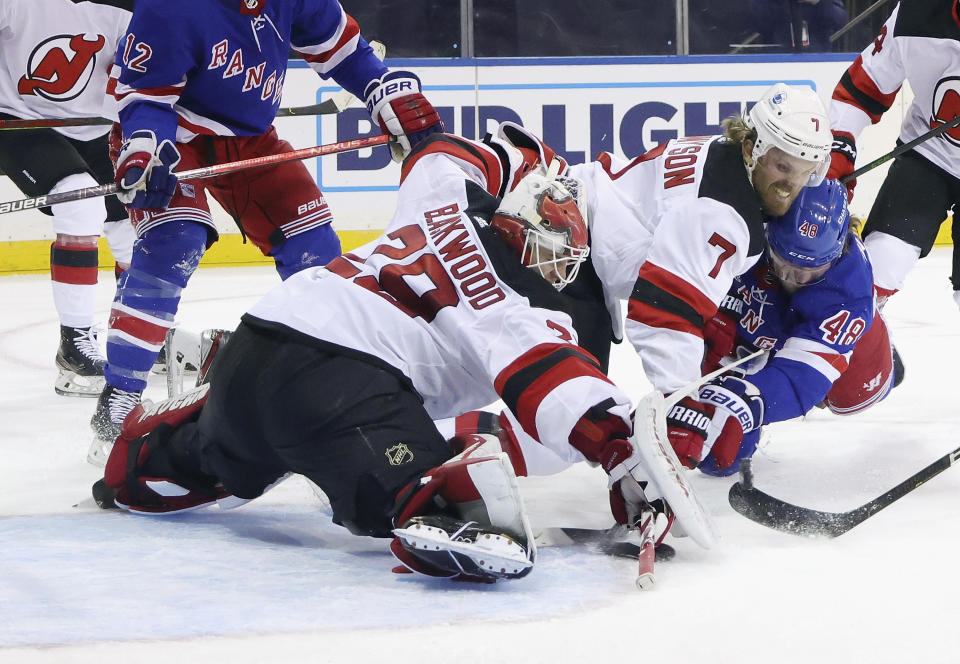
[806,241]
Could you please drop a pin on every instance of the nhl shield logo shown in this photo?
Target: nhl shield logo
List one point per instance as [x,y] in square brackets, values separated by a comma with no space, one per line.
[399,454]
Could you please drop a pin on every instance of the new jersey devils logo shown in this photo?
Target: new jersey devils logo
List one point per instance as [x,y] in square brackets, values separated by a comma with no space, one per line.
[946,105]
[60,68]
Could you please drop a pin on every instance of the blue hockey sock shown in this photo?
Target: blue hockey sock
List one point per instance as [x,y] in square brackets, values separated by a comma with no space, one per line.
[148,295]
[316,247]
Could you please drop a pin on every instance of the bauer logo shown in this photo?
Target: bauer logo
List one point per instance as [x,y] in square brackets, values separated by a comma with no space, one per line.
[399,454]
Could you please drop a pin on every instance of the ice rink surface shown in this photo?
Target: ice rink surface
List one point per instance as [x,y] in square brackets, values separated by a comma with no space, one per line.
[275,581]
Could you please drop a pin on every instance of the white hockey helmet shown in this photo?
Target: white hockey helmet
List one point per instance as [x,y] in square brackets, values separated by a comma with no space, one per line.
[792,118]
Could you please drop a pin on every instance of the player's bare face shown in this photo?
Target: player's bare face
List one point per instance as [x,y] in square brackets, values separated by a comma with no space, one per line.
[779,178]
[554,271]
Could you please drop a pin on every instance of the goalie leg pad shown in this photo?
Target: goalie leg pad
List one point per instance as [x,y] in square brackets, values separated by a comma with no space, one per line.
[455,548]
[478,490]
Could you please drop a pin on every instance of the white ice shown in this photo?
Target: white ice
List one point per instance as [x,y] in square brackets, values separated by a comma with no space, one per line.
[276,581]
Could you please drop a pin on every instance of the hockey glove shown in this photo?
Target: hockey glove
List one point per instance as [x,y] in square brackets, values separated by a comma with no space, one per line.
[737,410]
[395,103]
[719,337]
[843,157]
[602,438]
[688,427]
[145,171]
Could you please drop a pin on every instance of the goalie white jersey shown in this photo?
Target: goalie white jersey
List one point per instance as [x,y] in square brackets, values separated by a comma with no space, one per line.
[430,299]
[669,231]
[56,58]
[919,43]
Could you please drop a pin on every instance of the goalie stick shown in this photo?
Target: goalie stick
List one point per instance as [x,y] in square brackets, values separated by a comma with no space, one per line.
[335,104]
[613,541]
[781,515]
[199,173]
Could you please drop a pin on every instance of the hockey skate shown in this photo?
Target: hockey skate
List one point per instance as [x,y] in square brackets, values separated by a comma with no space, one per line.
[80,362]
[444,546]
[112,407]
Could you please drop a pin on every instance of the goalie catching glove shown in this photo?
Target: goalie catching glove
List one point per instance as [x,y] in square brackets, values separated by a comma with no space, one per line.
[145,171]
[715,422]
[395,102]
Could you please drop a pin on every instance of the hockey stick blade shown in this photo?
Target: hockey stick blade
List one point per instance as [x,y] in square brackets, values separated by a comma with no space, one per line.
[606,542]
[780,515]
[200,173]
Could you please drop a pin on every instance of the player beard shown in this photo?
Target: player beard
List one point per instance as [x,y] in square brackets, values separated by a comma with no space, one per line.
[773,201]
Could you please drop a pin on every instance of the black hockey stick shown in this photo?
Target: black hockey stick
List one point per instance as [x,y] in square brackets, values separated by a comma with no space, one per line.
[610,543]
[781,515]
[900,149]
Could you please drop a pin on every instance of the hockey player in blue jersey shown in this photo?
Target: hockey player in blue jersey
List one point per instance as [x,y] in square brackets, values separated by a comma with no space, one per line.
[199,82]
[808,302]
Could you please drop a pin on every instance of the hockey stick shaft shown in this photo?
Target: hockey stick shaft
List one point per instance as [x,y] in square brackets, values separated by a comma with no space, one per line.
[326,107]
[200,173]
[781,515]
[900,149]
[688,389]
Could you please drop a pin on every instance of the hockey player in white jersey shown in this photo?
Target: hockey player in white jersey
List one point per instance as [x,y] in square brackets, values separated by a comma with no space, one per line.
[671,229]
[338,373]
[919,44]
[56,58]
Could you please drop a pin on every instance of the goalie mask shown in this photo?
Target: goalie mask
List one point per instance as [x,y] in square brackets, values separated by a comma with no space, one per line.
[793,119]
[810,237]
[542,224]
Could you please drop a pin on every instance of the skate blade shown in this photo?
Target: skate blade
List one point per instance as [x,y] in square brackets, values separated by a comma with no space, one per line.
[70,384]
[497,555]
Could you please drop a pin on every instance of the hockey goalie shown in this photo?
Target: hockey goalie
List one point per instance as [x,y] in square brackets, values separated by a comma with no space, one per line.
[339,373]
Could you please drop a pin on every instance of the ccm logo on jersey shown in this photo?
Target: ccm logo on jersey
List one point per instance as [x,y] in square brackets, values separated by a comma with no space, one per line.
[460,254]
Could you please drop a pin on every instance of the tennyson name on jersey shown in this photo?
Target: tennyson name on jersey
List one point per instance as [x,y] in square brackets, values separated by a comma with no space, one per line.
[462,258]
[232,64]
[680,162]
